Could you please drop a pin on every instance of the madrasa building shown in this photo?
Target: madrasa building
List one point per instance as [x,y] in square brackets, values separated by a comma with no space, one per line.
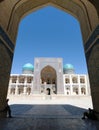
[49,76]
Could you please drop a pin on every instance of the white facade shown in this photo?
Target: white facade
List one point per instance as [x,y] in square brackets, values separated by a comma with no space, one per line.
[76,84]
[48,78]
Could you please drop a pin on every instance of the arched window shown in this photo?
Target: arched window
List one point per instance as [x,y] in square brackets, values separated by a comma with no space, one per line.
[67,80]
[83,90]
[74,80]
[82,80]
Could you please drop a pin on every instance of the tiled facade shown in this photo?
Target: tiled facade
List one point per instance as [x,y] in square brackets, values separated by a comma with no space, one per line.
[73,84]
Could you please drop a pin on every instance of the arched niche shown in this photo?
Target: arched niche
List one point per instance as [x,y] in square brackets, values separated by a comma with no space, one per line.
[48,75]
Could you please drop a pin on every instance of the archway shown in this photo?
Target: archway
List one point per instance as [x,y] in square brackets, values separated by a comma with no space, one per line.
[48,91]
[22,8]
[84,11]
[48,80]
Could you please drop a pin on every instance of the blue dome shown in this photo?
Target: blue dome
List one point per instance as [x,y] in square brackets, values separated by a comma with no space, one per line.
[68,66]
[28,66]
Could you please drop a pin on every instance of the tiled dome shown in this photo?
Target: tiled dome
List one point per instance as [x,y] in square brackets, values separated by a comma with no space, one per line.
[28,66]
[68,66]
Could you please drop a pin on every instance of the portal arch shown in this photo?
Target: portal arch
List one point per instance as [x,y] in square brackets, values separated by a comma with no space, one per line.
[49,80]
[48,75]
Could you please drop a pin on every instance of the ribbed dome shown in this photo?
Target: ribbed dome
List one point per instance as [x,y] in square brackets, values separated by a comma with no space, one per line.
[28,66]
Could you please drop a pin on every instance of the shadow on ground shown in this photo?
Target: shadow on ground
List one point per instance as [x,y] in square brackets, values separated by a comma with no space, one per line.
[46,110]
[47,117]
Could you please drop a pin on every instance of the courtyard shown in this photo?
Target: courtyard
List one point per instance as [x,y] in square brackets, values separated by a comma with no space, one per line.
[48,114]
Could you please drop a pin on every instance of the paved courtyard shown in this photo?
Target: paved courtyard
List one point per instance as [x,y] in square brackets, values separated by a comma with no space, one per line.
[48,115]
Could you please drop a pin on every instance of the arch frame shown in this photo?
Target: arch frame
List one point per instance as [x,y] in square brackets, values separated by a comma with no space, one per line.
[77,8]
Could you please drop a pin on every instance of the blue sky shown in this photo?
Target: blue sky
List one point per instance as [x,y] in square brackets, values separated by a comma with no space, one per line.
[49,32]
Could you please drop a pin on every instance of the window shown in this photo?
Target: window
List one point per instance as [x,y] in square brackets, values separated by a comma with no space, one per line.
[14,80]
[74,80]
[21,80]
[82,80]
[67,80]
[29,80]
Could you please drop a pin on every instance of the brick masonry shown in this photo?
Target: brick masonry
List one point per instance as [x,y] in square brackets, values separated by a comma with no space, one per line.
[6,56]
[92,57]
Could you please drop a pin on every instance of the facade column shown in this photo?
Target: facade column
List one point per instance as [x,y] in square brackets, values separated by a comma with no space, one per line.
[79,87]
[25,90]
[16,88]
[36,83]
[71,87]
[45,86]
[86,85]
[64,84]
[9,86]
[25,86]
[60,84]
[9,90]
[32,86]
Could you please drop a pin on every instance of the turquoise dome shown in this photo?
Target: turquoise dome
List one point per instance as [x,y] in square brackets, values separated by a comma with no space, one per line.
[68,69]
[28,66]
[68,66]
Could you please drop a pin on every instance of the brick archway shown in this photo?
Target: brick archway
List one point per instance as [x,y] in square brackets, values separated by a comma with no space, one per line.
[11,13]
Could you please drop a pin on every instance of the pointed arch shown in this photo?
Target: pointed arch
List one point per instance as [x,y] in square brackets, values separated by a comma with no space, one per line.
[81,10]
[48,75]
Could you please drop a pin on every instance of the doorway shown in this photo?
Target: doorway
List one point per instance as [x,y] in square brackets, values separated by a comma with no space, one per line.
[48,91]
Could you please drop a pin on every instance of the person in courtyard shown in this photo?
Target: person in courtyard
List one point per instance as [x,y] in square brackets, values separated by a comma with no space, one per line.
[91,114]
[7,109]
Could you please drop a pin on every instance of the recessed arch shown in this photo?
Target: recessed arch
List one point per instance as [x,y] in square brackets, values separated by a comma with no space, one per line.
[49,79]
[48,75]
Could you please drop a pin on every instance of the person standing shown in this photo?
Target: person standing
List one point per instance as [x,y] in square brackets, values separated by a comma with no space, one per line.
[8,109]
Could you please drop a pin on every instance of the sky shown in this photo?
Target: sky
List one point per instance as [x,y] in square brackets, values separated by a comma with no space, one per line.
[49,32]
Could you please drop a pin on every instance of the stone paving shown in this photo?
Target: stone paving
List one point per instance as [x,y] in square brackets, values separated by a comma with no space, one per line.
[47,117]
